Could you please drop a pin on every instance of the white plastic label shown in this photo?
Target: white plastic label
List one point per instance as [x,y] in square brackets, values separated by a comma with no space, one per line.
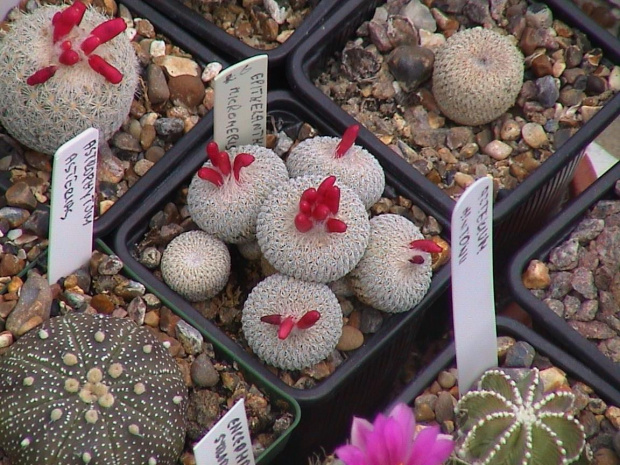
[72,209]
[473,305]
[228,442]
[240,107]
[5,7]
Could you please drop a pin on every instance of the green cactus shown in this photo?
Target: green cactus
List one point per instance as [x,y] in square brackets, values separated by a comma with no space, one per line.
[509,420]
[63,70]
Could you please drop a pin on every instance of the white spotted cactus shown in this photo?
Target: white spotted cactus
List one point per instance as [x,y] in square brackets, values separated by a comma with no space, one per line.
[510,421]
[91,389]
[63,70]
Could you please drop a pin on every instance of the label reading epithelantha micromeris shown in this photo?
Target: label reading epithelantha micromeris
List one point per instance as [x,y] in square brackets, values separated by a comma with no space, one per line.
[72,211]
[475,332]
[240,107]
[228,442]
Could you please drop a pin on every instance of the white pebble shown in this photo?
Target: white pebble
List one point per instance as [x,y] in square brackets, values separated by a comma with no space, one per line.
[158,48]
[211,71]
[497,150]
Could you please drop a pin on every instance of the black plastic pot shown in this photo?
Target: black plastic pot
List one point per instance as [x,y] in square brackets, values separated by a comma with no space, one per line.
[517,213]
[234,48]
[539,248]
[132,198]
[276,395]
[360,383]
[507,327]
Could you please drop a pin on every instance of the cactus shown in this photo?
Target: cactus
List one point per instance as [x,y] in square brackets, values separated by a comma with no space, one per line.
[509,420]
[91,389]
[63,70]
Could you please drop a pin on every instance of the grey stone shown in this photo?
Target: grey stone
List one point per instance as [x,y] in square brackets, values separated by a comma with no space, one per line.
[38,222]
[592,329]
[150,257]
[14,216]
[411,65]
[110,265]
[588,229]
[419,15]
[444,407]
[136,310]
[203,372]
[571,306]
[169,128]
[370,321]
[587,311]
[520,355]
[560,284]
[189,337]
[128,289]
[548,89]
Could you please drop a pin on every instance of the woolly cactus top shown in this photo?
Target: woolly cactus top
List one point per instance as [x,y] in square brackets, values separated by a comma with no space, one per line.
[77,69]
[91,389]
[395,272]
[351,164]
[477,76]
[196,265]
[312,229]
[291,324]
[512,417]
[225,195]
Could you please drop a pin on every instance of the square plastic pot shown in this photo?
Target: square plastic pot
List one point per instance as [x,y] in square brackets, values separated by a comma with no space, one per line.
[518,212]
[539,247]
[234,48]
[133,197]
[360,383]
[276,395]
[508,327]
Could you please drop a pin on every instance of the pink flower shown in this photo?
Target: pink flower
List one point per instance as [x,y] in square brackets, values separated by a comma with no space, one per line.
[392,440]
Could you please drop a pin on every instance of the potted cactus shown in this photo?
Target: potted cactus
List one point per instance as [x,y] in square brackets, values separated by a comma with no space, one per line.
[545,404]
[101,323]
[321,211]
[80,70]
[466,90]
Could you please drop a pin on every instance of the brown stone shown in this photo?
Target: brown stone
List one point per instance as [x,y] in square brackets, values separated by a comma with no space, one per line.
[20,195]
[351,339]
[28,325]
[103,304]
[186,90]
[536,276]
[10,265]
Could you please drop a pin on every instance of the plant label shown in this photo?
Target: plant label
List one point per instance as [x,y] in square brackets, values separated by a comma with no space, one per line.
[72,210]
[228,442]
[473,306]
[240,107]
[6,6]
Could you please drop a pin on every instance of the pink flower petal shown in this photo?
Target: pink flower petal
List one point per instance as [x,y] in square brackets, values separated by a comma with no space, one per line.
[360,430]
[403,414]
[431,448]
[351,455]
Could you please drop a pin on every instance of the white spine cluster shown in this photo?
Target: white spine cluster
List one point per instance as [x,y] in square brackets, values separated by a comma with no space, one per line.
[316,255]
[229,212]
[45,116]
[357,168]
[290,297]
[385,278]
[477,76]
[196,265]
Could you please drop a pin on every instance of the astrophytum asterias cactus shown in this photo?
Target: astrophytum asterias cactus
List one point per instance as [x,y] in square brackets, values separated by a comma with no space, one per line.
[510,420]
[351,164]
[84,389]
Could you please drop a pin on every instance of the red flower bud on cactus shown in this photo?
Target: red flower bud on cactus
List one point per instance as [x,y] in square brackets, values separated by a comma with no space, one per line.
[66,20]
[221,165]
[318,206]
[287,324]
[347,141]
[426,245]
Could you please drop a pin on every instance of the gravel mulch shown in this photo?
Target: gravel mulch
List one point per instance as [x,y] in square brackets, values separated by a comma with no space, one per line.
[566,82]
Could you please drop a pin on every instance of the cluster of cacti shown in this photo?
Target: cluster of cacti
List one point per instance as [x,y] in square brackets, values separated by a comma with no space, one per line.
[312,228]
[63,70]
[477,76]
[91,389]
[509,419]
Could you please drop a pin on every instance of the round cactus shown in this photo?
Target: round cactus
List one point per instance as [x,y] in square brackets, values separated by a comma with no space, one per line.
[477,76]
[395,272]
[353,165]
[196,265]
[312,229]
[86,389]
[63,70]
[511,420]
[291,324]
[225,195]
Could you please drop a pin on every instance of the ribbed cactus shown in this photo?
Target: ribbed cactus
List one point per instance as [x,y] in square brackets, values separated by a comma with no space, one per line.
[510,421]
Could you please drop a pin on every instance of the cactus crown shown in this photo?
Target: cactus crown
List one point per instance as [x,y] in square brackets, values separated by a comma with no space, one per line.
[512,421]
[63,23]
[221,165]
[320,205]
